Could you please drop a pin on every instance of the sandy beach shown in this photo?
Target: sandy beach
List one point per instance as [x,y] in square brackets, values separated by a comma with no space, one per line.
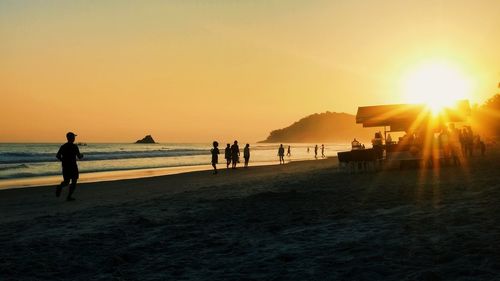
[300,221]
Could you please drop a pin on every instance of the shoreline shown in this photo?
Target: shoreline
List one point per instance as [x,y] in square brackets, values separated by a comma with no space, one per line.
[41,199]
[118,175]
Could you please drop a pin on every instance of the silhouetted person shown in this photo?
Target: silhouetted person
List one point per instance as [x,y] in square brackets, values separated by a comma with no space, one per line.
[246,154]
[316,151]
[388,141]
[215,155]
[470,140]
[462,135]
[477,142]
[227,155]
[67,154]
[355,144]
[289,151]
[323,151]
[281,154]
[308,149]
[454,142]
[444,142]
[235,154]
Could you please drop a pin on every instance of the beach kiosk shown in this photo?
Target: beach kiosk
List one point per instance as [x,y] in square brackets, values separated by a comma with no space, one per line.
[428,137]
[410,117]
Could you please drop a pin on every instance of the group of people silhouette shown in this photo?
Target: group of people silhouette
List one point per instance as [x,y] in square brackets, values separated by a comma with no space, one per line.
[316,151]
[231,154]
[281,152]
[460,143]
[453,144]
[69,152]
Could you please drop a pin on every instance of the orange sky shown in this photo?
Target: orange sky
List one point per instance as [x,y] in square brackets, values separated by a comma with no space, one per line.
[194,71]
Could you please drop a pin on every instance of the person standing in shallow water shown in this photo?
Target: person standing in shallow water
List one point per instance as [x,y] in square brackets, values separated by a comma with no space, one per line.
[289,151]
[323,151]
[246,154]
[215,155]
[316,152]
[235,154]
[67,154]
[281,154]
[227,155]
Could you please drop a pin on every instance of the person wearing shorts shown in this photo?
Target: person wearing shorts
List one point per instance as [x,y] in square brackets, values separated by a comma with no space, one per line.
[67,154]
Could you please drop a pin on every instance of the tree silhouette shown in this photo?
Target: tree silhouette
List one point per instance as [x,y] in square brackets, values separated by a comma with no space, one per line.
[487,117]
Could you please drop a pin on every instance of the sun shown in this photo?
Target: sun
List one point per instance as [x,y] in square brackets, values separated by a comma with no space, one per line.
[437,84]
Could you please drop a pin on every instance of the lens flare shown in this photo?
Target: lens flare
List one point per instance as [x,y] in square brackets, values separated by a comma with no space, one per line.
[436,84]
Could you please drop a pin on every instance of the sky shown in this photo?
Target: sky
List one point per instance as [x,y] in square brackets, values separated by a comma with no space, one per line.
[197,71]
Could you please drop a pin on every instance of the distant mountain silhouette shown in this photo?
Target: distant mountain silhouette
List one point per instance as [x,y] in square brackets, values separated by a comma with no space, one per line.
[146,139]
[323,127]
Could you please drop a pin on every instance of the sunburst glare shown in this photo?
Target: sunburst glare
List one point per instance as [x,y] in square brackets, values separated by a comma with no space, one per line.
[437,84]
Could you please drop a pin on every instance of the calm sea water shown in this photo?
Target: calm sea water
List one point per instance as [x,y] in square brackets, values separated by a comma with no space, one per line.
[35,160]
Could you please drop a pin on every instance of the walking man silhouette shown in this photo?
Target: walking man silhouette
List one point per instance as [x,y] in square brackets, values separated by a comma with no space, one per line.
[227,155]
[246,154]
[67,154]
[235,154]
[281,154]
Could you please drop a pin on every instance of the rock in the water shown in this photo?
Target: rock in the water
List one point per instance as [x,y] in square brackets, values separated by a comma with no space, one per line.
[146,139]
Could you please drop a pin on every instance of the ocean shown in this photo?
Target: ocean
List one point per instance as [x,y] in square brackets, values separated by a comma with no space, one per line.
[32,160]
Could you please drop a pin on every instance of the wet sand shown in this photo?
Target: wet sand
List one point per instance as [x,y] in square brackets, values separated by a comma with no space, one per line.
[300,221]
